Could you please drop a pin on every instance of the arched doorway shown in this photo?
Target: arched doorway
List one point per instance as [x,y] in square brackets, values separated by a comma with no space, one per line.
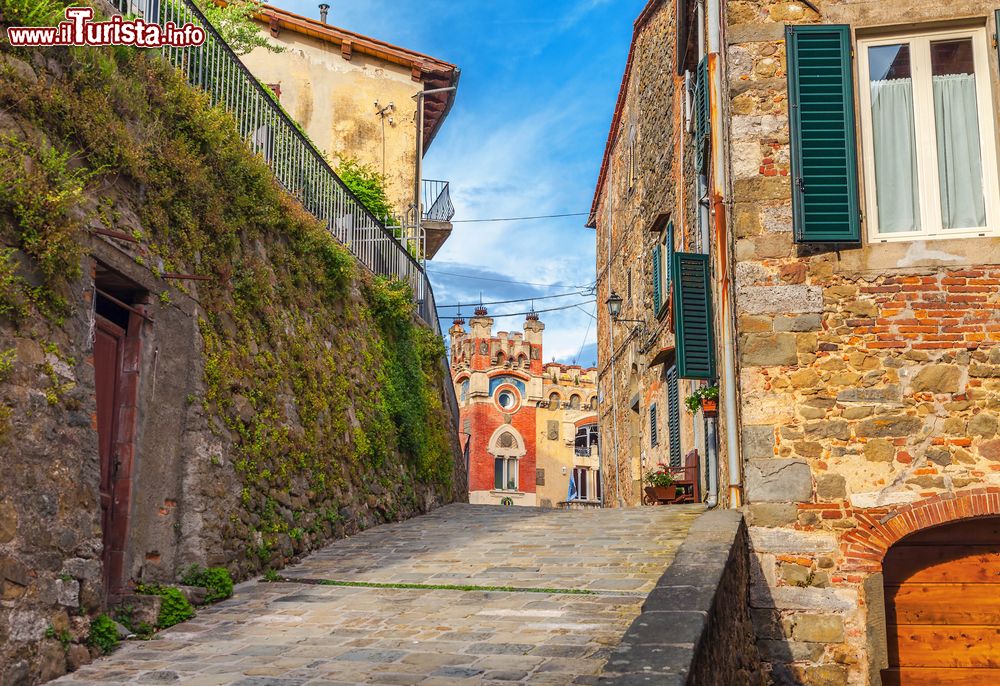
[942,602]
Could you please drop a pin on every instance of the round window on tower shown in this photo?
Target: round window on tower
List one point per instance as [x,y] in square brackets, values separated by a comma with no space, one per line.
[506,399]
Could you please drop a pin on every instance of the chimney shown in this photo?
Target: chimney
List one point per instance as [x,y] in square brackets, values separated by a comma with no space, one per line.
[323,9]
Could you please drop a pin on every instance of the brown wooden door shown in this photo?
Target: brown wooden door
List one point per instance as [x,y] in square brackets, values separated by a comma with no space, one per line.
[109,347]
[942,596]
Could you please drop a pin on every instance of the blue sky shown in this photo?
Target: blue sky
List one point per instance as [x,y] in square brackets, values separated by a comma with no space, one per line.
[525,137]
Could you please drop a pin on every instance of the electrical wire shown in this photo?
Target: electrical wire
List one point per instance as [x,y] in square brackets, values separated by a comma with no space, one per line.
[520,300]
[551,309]
[585,335]
[520,283]
[521,219]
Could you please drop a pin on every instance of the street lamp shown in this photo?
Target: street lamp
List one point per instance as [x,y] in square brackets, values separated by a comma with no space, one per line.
[614,303]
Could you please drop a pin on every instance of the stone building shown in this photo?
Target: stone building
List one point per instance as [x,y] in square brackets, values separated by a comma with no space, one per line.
[844,158]
[529,428]
[356,96]
[643,214]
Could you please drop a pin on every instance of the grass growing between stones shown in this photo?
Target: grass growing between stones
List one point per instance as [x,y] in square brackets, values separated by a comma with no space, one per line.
[435,587]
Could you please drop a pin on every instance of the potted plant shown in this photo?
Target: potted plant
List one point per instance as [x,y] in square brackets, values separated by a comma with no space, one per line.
[662,483]
[705,398]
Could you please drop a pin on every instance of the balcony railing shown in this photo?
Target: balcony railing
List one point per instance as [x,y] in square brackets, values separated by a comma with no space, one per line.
[298,166]
[437,201]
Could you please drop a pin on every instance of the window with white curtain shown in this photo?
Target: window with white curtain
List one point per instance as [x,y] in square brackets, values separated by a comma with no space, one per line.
[928,133]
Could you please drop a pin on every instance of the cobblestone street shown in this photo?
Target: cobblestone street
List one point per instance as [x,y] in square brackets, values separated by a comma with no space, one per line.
[301,632]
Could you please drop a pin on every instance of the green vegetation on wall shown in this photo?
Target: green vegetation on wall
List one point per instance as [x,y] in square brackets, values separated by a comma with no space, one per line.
[368,184]
[234,22]
[318,371]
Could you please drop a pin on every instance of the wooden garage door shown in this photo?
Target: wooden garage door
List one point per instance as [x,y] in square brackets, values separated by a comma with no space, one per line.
[942,596]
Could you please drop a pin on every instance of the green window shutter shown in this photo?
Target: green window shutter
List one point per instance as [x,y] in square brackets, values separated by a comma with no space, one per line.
[657,292]
[693,316]
[669,257]
[701,113]
[674,416]
[824,149]
[654,438]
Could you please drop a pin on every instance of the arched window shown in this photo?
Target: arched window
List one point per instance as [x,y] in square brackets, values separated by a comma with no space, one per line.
[574,402]
[554,400]
[465,391]
[522,361]
[506,449]
[586,440]
[593,403]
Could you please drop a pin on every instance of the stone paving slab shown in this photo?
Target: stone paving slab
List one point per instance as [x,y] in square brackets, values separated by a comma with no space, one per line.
[303,634]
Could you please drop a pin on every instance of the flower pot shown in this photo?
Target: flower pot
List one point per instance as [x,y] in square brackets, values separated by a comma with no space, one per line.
[665,492]
[710,406]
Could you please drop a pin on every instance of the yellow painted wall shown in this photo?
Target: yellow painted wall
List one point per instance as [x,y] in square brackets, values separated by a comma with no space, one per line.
[333,99]
[557,455]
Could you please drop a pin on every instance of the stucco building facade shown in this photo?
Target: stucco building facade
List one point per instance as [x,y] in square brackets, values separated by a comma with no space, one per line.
[356,97]
[840,160]
[529,428]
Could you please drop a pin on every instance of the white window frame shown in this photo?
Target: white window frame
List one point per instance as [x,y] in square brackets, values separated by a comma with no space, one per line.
[926,144]
[508,463]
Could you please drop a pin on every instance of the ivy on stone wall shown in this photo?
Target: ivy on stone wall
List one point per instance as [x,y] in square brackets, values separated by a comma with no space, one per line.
[317,373]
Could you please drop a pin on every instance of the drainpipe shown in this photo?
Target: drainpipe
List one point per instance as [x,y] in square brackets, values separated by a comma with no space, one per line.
[704,241]
[724,280]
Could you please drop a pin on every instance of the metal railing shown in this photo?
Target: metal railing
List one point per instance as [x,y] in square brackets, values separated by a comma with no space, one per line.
[437,201]
[297,164]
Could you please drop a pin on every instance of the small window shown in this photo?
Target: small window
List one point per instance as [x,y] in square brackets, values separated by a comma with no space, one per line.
[585,442]
[554,401]
[465,391]
[928,135]
[574,402]
[593,403]
[539,477]
[505,473]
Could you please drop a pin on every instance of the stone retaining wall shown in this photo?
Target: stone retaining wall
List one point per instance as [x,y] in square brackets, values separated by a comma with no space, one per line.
[695,626]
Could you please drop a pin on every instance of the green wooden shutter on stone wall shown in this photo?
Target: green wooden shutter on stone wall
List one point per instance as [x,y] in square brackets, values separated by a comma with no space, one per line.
[701,113]
[654,438]
[693,317]
[674,417]
[824,150]
[657,285]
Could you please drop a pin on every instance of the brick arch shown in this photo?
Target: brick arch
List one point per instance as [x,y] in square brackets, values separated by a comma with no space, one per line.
[879,528]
